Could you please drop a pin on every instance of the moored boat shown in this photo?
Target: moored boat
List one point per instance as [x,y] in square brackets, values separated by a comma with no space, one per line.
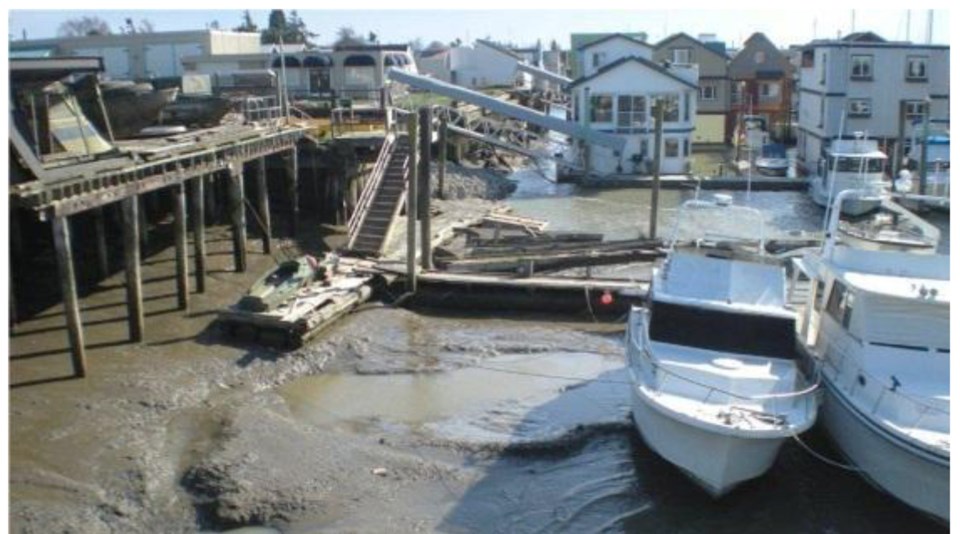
[877,325]
[716,388]
[850,164]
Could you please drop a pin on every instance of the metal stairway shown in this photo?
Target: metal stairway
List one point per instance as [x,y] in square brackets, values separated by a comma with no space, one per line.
[382,198]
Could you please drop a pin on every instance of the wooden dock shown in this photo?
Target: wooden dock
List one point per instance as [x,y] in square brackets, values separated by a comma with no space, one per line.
[726,183]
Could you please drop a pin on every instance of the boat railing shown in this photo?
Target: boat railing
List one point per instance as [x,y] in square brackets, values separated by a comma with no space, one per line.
[805,398]
[878,395]
[720,202]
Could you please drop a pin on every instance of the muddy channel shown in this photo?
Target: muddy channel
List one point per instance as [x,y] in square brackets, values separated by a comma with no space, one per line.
[395,420]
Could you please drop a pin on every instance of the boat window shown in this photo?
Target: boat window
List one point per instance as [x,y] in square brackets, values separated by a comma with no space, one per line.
[722,331]
[818,295]
[848,164]
[840,304]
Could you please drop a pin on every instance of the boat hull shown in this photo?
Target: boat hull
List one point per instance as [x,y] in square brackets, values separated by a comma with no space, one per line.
[717,462]
[910,474]
[852,207]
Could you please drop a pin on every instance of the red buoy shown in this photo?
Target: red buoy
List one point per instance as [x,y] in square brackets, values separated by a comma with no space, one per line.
[606,299]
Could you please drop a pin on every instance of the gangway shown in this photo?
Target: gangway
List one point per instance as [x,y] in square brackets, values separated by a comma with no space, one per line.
[572,129]
[543,74]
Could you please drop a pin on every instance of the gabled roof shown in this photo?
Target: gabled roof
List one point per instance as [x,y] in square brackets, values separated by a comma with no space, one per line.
[614,36]
[678,35]
[616,64]
[502,49]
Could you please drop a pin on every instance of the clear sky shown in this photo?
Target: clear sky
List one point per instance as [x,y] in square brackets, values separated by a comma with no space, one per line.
[784,27]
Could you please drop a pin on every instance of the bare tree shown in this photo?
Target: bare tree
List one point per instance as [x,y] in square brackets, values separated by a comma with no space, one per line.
[348,36]
[81,26]
[144,26]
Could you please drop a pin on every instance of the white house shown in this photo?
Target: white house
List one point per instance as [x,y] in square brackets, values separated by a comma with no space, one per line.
[862,79]
[619,98]
[600,53]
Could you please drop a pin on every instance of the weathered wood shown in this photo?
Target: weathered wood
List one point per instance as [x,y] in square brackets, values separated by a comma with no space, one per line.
[442,163]
[658,140]
[423,202]
[238,219]
[142,223]
[131,254]
[68,285]
[293,190]
[16,236]
[263,205]
[199,240]
[210,196]
[103,261]
[412,206]
[180,244]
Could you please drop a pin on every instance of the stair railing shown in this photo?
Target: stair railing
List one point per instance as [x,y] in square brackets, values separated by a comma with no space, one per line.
[370,189]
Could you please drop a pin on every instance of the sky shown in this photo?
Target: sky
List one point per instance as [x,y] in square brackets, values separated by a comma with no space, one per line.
[526,26]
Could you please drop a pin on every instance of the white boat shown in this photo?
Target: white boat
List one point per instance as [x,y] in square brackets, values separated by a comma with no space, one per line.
[876,324]
[715,383]
[891,227]
[772,161]
[850,164]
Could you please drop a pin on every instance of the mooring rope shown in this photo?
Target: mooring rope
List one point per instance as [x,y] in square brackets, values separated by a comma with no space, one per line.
[823,458]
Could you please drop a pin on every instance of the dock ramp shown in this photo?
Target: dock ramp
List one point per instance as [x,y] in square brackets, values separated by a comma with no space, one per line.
[381,199]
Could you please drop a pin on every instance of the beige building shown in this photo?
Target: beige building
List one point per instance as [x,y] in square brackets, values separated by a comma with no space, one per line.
[713,124]
[142,56]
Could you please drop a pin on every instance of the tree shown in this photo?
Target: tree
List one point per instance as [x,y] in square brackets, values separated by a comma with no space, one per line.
[347,36]
[144,26]
[247,25]
[291,31]
[456,42]
[297,31]
[372,37]
[81,26]
[214,25]
[276,27]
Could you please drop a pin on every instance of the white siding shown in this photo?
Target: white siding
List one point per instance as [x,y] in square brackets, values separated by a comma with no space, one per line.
[612,50]
[163,60]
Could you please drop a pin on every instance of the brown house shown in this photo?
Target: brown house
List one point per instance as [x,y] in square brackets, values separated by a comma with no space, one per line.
[762,83]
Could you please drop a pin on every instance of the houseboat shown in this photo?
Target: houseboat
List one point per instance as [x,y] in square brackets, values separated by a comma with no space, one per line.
[850,164]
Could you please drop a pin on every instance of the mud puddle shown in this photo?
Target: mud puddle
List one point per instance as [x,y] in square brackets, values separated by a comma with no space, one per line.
[493,401]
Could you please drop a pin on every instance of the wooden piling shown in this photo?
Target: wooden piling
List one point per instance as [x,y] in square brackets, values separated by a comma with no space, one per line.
[143,224]
[199,243]
[131,254]
[238,217]
[423,202]
[442,163]
[180,244]
[412,206]
[263,205]
[210,197]
[655,191]
[293,172]
[103,261]
[68,284]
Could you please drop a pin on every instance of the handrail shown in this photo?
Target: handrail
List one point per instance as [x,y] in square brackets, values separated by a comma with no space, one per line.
[370,189]
[649,358]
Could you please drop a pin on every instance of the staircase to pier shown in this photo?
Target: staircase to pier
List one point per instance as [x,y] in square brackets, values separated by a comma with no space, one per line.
[382,198]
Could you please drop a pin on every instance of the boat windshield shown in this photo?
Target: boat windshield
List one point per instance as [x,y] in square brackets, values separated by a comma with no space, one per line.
[857,164]
[722,331]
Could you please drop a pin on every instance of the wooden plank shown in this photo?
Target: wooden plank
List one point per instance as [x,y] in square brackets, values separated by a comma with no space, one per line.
[623,286]
[131,250]
[293,190]
[199,239]
[180,245]
[423,202]
[68,285]
[412,205]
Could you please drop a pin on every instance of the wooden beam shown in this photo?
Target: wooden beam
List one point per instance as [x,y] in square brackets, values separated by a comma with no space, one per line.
[423,202]
[442,163]
[199,243]
[180,244]
[263,205]
[293,172]
[68,285]
[103,261]
[131,254]
[412,206]
[142,223]
[238,218]
[210,196]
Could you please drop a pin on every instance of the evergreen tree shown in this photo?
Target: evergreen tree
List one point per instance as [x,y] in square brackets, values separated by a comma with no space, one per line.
[247,25]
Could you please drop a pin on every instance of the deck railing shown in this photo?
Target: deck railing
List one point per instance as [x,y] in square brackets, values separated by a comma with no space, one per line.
[370,188]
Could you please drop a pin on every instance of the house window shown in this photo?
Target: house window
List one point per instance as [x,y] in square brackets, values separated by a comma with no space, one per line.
[599,59]
[601,108]
[914,111]
[671,107]
[631,112]
[735,93]
[769,89]
[859,108]
[708,92]
[916,68]
[671,147]
[682,56]
[861,67]
[823,68]
[759,57]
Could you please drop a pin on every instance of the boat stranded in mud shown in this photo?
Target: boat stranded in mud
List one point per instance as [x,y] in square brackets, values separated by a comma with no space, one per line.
[296,300]
[877,325]
[716,388]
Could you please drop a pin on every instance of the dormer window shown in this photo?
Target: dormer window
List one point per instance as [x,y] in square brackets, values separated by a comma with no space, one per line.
[599,59]
[682,56]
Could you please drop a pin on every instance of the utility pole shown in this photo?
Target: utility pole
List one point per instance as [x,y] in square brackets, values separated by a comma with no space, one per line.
[658,141]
